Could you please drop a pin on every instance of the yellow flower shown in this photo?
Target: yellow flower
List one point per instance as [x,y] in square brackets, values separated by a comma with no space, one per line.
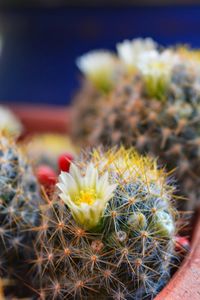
[85,195]
[99,66]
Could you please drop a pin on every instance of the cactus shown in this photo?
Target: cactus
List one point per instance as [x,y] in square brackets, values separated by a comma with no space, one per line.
[20,197]
[111,233]
[168,130]
[157,112]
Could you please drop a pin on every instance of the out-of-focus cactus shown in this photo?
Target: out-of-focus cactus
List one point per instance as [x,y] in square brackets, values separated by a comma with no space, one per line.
[101,70]
[168,130]
[157,111]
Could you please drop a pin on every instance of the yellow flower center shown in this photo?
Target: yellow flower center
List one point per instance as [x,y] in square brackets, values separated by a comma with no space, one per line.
[86,196]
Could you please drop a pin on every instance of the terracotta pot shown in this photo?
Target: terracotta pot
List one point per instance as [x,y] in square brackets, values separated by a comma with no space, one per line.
[185,284]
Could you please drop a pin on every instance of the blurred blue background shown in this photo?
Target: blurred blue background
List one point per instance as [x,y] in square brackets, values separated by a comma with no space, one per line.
[40,44]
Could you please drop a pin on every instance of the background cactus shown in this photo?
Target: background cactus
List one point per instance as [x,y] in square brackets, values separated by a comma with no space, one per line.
[168,130]
[165,126]
[85,107]
[19,202]
[129,253]
[102,69]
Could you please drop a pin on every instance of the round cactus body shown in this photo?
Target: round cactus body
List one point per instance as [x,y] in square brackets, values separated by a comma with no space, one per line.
[125,249]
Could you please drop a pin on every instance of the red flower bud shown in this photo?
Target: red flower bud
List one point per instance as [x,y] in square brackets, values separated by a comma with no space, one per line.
[64,161]
[46,175]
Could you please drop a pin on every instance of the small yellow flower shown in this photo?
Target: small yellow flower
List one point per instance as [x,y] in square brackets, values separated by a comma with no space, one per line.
[99,66]
[85,195]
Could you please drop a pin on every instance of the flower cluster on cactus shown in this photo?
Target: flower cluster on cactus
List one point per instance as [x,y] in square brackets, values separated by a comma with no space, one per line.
[111,232]
[155,66]
[154,106]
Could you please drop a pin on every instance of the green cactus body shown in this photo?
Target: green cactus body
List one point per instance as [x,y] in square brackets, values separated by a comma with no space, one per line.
[19,202]
[128,255]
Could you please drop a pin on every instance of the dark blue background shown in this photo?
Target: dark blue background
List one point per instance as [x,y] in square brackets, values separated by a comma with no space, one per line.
[40,45]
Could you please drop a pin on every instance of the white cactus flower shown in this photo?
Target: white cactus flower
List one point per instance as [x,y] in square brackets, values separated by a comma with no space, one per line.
[156,69]
[131,51]
[157,64]
[9,122]
[86,196]
[99,67]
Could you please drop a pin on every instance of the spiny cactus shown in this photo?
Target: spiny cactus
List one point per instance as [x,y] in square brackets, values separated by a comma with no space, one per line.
[168,130]
[158,112]
[111,234]
[87,102]
[19,201]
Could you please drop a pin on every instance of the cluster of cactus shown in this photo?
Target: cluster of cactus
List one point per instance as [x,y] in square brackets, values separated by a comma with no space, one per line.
[156,112]
[19,202]
[109,228]
[110,233]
